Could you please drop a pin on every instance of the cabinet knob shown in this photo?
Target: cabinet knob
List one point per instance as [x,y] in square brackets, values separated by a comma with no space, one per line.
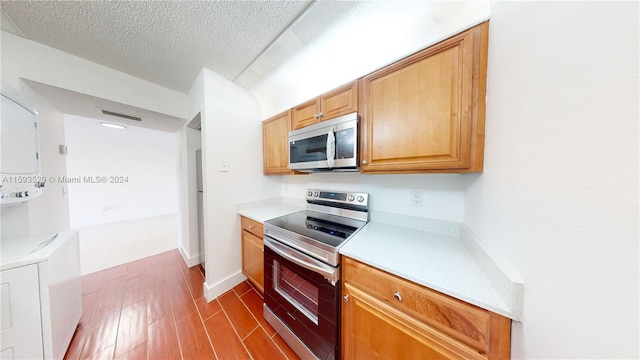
[364,162]
[250,227]
[397,295]
[321,114]
[317,116]
[346,298]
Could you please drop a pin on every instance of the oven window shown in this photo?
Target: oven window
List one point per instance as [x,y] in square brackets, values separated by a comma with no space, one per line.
[296,290]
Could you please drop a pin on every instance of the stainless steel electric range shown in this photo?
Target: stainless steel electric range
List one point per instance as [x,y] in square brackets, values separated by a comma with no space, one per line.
[302,270]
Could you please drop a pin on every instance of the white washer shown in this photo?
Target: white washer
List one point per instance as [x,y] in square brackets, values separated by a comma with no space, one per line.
[41,295]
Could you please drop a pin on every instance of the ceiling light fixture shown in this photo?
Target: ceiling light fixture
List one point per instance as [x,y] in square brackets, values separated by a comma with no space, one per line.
[113,126]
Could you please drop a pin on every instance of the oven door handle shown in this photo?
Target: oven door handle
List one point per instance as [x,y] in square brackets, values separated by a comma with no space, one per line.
[307,262]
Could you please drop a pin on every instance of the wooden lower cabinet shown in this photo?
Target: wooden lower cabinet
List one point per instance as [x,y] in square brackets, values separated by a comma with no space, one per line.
[252,252]
[387,317]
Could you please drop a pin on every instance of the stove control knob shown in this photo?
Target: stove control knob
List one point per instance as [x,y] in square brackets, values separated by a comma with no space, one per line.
[351,198]
[315,194]
[310,193]
[360,198]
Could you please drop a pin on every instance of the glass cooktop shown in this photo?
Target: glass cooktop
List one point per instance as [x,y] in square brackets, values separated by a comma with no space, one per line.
[329,229]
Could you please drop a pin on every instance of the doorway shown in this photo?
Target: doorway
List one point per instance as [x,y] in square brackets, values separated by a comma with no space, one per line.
[195,190]
[200,201]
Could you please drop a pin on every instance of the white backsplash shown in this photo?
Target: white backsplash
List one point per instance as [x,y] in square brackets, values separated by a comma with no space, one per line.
[441,227]
[14,220]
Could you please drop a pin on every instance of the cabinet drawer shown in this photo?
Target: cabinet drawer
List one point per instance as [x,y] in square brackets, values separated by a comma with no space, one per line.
[460,320]
[251,226]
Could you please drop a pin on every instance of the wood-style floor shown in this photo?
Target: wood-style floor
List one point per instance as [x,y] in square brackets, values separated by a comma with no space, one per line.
[154,308]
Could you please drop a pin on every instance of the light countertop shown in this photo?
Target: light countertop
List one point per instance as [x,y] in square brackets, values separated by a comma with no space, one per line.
[17,252]
[264,210]
[437,254]
[437,261]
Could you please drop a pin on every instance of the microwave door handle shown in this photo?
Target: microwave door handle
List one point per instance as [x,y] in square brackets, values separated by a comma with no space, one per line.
[331,149]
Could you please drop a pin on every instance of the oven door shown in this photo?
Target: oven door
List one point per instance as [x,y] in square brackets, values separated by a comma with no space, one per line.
[302,297]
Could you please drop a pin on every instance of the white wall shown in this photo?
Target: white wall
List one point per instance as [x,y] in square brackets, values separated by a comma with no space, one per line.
[37,62]
[154,230]
[14,221]
[558,199]
[443,195]
[187,187]
[133,216]
[370,35]
[230,132]
[48,213]
[110,244]
[144,160]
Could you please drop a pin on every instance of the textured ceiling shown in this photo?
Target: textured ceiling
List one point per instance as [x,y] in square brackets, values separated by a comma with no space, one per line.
[164,42]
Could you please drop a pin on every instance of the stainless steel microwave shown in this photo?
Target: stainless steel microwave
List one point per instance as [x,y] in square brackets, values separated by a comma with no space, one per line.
[328,145]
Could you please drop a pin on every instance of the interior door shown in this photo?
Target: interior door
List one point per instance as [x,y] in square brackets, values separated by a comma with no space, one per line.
[199,195]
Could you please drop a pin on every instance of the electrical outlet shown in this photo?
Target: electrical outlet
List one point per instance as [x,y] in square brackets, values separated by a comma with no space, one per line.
[416,199]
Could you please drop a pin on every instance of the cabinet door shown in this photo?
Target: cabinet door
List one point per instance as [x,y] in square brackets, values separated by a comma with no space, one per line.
[253,259]
[372,329]
[341,101]
[305,114]
[425,113]
[275,144]
[21,323]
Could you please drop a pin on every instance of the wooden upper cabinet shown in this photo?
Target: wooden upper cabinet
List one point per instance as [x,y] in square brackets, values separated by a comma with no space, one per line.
[340,101]
[426,113]
[275,144]
[305,114]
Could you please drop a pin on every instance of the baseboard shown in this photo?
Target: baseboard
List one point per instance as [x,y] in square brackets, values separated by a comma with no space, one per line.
[213,291]
[191,261]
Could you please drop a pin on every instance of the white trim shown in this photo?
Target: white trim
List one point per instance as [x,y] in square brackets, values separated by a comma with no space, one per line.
[191,261]
[213,291]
